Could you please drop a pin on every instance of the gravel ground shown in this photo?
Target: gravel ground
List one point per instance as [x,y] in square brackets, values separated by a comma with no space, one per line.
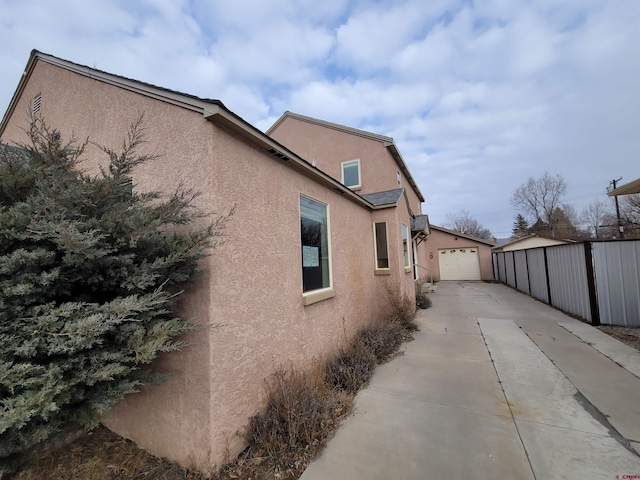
[628,335]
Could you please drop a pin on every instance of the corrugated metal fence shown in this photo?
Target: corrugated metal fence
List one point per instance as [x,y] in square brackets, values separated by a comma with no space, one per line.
[596,281]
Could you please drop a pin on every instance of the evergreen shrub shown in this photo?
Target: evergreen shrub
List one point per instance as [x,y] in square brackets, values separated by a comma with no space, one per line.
[90,269]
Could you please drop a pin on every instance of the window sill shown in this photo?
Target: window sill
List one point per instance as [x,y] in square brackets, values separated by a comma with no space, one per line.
[317,296]
[356,188]
[380,271]
[407,269]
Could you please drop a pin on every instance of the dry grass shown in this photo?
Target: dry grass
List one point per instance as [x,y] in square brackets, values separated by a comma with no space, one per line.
[382,339]
[628,335]
[352,368]
[303,410]
[403,308]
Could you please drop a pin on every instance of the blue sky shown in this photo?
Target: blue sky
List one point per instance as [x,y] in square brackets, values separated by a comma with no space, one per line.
[478,95]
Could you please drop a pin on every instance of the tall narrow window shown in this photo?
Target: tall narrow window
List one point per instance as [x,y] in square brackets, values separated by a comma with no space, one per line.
[398,178]
[382,246]
[314,235]
[405,245]
[351,174]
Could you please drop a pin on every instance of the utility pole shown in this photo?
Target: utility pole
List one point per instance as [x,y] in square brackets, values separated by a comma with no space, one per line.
[620,227]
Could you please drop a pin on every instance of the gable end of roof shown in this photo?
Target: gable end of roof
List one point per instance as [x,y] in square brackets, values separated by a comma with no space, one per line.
[387,142]
[212,110]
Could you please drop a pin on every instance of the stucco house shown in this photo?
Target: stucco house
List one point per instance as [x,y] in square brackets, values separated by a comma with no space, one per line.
[272,295]
[530,241]
[456,256]
[367,163]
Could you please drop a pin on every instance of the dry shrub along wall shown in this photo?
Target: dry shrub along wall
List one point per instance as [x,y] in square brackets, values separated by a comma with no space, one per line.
[305,407]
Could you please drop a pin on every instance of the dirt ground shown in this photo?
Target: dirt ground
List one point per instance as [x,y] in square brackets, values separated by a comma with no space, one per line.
[100,455]
[628,335]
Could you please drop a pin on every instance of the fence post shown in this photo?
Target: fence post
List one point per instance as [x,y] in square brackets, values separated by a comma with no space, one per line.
[526,264]
[546,273]
[591,283]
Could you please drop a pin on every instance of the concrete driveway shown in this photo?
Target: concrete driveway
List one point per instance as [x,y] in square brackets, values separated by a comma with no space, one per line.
[495,385]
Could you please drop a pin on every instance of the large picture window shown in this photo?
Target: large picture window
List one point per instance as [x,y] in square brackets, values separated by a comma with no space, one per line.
[351,174]
[382,246]
[405,245]
[314,233]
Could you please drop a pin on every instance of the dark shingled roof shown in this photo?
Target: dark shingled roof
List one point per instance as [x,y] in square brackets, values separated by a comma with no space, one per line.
[419,223]
[388,197]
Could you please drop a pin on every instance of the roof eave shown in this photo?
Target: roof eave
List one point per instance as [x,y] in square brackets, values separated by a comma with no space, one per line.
[463,235]
[395,153]
[630,188]
[212,110]
[387,142]
[165,95]
[18,92]
[222,116]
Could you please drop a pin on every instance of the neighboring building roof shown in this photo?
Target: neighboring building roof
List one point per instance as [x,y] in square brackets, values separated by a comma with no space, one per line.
[626,189]
[388,197]
[511,242]
[502,241]
[387,142]
[462,235]
[213,110]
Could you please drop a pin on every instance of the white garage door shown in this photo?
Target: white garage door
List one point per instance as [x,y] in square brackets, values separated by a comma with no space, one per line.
[459,263]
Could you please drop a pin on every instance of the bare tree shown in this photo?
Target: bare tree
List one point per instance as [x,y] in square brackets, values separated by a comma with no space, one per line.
[594,216]
[540,197]
[464,223]
[630,214]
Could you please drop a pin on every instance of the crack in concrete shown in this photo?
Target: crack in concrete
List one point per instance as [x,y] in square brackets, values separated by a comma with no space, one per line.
[601,418]
[584,402]
[506,399]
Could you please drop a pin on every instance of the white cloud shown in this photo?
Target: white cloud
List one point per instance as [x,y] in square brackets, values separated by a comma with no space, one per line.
[478,95]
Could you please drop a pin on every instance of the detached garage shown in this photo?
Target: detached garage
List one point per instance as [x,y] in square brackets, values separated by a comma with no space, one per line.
[459,263]
[455,256]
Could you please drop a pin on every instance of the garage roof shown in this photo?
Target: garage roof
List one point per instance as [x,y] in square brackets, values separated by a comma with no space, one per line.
[463,235]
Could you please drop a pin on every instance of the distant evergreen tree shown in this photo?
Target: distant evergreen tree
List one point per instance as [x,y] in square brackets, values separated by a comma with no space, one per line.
[520,227]
[89,270]
[563,226]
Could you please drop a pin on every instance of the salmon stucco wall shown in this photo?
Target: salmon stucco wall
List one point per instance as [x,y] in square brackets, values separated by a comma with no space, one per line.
[438,239]
[330,147]
[249,304]
[174,418]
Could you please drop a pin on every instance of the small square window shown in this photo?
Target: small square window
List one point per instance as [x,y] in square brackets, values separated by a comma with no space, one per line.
[351,174]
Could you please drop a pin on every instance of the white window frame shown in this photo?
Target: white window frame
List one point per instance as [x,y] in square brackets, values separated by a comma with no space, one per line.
[381,270]
[406,252]
[348,163]
[313,296]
